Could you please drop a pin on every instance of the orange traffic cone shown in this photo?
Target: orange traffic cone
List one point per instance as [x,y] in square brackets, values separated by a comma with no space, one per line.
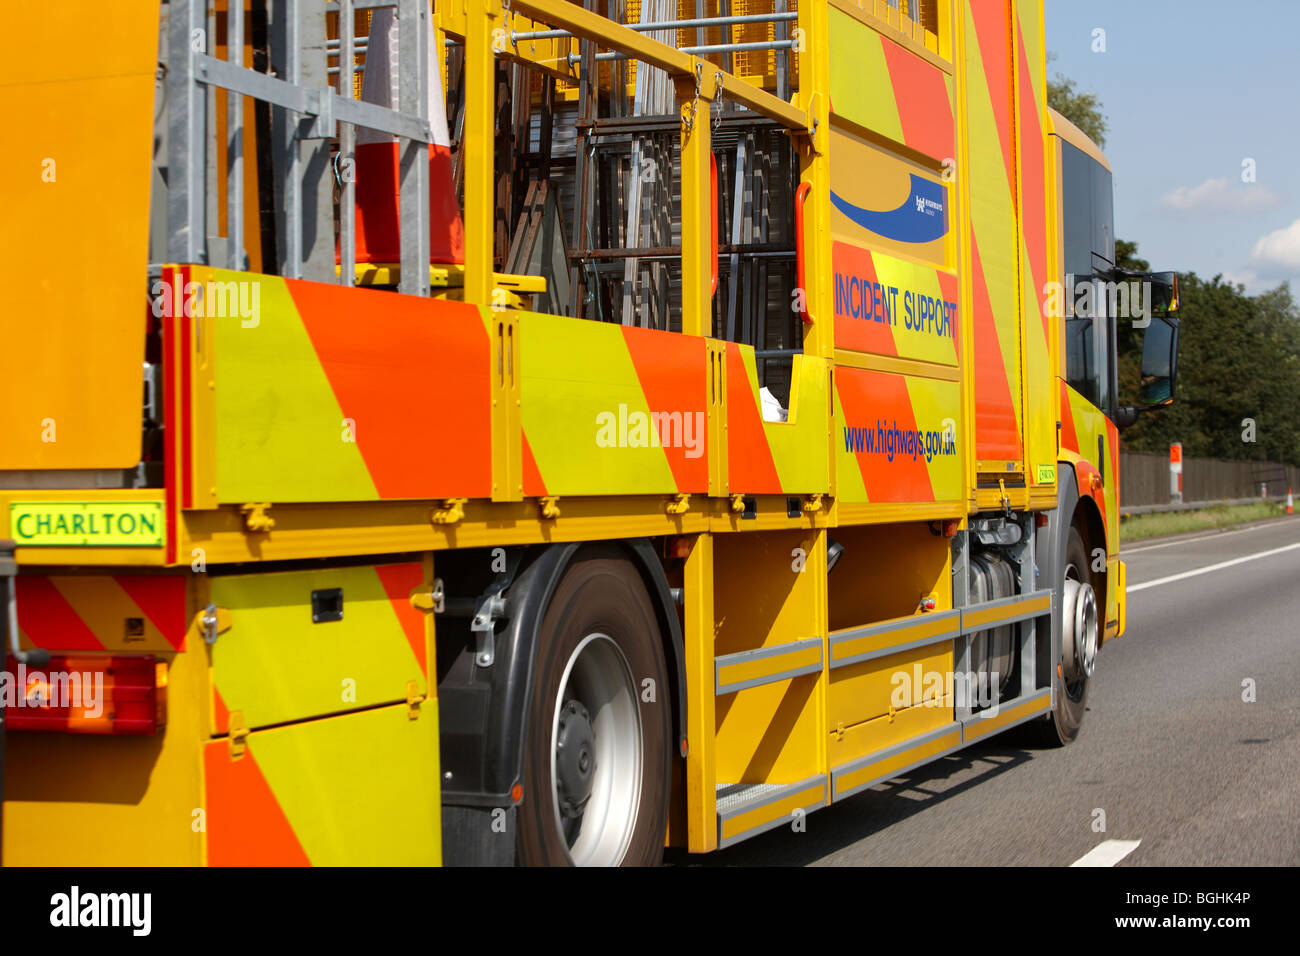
[1290,505]
[378,236]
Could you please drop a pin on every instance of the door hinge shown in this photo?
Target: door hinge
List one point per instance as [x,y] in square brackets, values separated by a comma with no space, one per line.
[429,597]
[413,700]
[452,510]
[238,734]
[257,519]
[211,621]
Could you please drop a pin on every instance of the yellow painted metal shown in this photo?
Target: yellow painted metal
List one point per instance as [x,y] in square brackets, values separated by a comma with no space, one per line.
[274,365]
[695,94]
[505,335]
[717,416]
[991,617]
[359,789]
[910,723]
[769,591]
[578,372]
[871,689]
[698,629]
[482,18]
[446,276]
[848,513]
[885,570]
[1120,577]
[78,108]
[91,800]
[151,498]
[921,626]
[1007,715]
[814,166]
[202,359]
[738,672]
[339,529]
[615,36]
[1041,394]
[742,822]
[277,665]
[899,366]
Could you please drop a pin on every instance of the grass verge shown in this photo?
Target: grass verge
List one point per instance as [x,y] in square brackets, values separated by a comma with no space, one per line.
[1138,527]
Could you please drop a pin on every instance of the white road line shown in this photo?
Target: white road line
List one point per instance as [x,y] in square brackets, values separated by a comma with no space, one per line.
[1107,853]
[1212,567]
[1200,537]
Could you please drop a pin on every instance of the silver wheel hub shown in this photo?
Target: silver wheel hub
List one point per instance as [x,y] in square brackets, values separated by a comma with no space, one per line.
[1079,629]
[575,762]
[596,754]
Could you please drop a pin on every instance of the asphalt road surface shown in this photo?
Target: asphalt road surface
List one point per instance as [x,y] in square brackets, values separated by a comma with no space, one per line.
[1186,771]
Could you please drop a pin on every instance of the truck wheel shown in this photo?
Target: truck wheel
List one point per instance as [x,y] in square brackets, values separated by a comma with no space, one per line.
[597,763]
[1079,643]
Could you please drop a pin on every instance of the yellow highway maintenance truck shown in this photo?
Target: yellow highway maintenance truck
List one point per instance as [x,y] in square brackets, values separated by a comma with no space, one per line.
[543,431]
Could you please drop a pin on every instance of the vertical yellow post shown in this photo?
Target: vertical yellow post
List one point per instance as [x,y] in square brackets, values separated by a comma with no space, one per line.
[483,19]
[701,783]
[966,296]
[695,95]
[814,158]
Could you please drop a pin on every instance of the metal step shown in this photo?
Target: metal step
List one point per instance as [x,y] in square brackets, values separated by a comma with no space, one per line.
[747,809]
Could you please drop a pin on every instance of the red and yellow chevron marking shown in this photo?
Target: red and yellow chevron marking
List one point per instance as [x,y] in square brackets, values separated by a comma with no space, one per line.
[878,85]
[324,393]
[776,457]
[609,409]
[124,612]
[360,789]
[275,665]
[893,437]
[1087,435]
[995,283]
[1031,107]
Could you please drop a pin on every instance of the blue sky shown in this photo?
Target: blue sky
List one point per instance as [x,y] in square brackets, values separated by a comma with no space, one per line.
[1190,90]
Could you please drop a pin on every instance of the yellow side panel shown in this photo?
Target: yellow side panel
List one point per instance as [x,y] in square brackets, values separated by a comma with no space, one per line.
[767,594]
[77,97]
[863,691]
[276,411]
[875,735]
[276,664]
[361,789]
[90,800]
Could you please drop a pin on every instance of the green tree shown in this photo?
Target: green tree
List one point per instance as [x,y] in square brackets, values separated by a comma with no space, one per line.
[1081,109]
[1239,358]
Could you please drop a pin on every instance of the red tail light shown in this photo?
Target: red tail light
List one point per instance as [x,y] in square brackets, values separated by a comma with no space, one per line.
[86,695]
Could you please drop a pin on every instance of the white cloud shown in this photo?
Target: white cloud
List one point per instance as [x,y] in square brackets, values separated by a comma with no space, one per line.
[1280,248]
[1221,195]
[1247,277]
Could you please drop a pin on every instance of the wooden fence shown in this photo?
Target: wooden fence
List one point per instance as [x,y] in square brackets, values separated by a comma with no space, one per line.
[1144,479]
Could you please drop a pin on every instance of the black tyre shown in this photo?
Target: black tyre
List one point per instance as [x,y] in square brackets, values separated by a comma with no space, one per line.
[597,761]
[1070,684]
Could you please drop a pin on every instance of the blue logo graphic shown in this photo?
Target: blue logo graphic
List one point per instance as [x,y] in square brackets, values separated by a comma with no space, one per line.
[921,218]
